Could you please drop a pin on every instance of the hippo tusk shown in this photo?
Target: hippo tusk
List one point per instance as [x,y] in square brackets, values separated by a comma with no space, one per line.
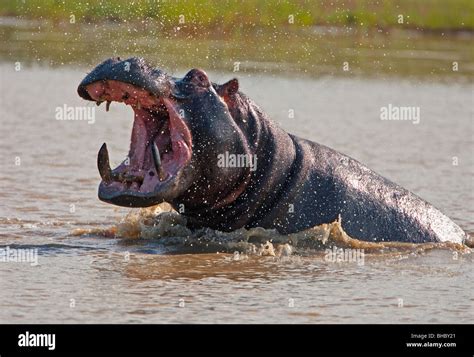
[106,172]
[103,164]
[157,161]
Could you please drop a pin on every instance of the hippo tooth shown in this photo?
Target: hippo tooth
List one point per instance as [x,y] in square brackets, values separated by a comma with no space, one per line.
[107,105]
[103,163]
[139,106]
[157,161]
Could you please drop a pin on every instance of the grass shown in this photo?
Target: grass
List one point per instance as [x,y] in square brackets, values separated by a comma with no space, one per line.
[234,16]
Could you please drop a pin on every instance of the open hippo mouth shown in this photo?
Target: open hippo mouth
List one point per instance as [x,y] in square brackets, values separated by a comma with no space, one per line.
[160,146]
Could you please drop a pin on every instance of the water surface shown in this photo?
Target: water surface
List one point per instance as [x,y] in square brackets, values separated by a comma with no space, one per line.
[95,263]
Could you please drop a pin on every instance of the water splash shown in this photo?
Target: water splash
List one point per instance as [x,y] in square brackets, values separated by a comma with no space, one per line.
[167,227]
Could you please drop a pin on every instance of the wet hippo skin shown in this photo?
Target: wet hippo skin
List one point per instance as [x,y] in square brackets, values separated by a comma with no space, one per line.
[184,127]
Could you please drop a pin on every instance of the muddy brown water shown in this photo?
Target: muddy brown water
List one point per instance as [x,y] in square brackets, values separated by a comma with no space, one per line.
[100,263]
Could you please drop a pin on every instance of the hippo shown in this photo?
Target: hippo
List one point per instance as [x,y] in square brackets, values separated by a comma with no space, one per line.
[215,156]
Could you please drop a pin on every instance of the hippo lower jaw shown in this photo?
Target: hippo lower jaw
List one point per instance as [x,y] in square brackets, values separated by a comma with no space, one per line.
[160,147]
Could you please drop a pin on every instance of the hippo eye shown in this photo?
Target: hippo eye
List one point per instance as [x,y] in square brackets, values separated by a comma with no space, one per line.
[197,77]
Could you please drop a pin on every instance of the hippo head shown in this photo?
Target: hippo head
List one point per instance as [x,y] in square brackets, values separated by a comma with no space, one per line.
[180,127]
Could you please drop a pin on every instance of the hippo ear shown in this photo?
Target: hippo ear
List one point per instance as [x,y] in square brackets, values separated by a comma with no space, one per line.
[229,88]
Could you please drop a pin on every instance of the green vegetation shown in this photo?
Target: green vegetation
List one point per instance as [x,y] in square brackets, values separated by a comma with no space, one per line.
[257,34]
[295,53]
[235,15]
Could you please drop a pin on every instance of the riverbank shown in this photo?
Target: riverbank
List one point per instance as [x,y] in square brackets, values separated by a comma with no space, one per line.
[236,16]
[305,52]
